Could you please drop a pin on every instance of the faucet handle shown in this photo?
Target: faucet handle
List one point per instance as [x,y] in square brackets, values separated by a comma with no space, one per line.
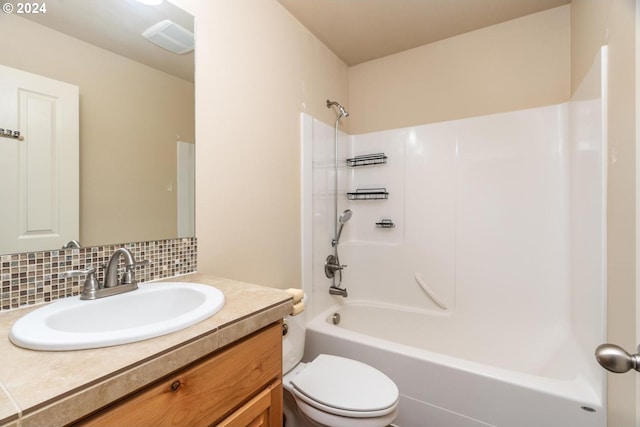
[90,270]
[331,265]
[140,263]
[128,277]
[91,284]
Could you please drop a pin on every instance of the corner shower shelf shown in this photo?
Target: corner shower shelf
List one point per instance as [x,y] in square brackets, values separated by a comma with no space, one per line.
[367,160]
[385,223]
[368,194]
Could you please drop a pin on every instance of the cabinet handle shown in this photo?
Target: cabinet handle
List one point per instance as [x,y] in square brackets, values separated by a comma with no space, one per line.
[175,386]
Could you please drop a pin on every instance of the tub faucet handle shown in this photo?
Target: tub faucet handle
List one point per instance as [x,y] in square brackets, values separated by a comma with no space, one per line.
[331,265]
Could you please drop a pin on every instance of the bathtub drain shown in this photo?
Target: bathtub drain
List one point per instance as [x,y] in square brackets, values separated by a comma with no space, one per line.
[336,318]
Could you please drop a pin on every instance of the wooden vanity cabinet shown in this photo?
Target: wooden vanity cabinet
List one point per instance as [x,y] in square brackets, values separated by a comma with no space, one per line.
[237,386]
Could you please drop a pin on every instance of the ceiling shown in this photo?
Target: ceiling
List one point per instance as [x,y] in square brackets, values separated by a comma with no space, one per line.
[361,30]
[117,26]
[355,30]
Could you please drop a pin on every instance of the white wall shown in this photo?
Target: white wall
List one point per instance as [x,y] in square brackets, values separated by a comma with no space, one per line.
[613,23]
[587,149]
[480,211]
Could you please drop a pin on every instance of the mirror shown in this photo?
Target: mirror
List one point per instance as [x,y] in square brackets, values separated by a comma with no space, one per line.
[136,112]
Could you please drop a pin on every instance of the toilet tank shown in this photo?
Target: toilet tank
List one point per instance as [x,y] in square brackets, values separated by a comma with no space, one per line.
[293,341]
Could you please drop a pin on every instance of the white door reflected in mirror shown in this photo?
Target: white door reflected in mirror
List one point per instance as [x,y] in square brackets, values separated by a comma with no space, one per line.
[38,174]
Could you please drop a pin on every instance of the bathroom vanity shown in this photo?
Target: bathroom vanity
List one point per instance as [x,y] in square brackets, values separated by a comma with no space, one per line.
[225,370]
[246,376]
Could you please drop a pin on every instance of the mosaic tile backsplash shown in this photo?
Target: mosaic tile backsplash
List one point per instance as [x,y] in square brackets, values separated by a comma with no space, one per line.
[34,277]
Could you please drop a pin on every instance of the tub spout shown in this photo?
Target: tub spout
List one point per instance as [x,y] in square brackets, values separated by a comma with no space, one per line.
[335,290]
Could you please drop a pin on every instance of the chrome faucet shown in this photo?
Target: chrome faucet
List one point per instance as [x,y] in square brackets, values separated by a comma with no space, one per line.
[128,277]
[72,244]
[336,290]
[93,289]
[331,265]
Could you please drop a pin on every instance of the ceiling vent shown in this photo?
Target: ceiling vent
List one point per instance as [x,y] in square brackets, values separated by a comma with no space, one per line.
[171,36]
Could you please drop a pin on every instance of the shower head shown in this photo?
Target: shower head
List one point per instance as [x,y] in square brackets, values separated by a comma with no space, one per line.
[344,217]
[341,111]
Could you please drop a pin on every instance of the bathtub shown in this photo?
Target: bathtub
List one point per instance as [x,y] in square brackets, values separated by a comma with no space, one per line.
[452,380]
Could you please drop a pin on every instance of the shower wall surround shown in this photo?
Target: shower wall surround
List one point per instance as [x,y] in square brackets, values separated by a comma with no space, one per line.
[501,216]
[480,208]
[34,277]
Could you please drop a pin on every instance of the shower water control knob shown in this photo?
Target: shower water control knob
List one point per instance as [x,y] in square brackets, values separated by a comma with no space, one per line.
[331,265]
[615,359]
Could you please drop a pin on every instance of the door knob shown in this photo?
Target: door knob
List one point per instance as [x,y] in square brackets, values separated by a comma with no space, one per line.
[616,359]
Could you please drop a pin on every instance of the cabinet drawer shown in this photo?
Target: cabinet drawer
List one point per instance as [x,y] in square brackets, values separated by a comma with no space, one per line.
[206,392]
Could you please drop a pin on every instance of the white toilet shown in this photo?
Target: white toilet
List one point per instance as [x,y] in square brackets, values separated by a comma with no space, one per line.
[332,391]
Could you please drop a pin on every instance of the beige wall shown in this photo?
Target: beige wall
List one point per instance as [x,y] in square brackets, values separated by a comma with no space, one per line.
[130,116]
[257,68]
[514,65]
[612,22]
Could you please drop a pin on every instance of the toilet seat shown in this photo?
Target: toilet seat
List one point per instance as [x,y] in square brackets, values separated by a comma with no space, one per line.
[345,387]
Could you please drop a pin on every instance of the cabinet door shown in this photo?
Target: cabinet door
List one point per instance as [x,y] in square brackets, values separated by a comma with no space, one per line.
[261,411]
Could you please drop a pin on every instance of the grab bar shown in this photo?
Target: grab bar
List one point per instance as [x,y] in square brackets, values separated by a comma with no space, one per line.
[429,291]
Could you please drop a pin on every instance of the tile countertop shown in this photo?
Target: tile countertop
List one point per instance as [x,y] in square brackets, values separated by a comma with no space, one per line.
[44,388]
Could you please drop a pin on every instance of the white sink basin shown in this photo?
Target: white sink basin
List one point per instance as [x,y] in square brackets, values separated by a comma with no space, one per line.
[152,310]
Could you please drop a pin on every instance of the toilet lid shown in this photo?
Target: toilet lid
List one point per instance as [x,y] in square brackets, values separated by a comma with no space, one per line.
[346,385]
